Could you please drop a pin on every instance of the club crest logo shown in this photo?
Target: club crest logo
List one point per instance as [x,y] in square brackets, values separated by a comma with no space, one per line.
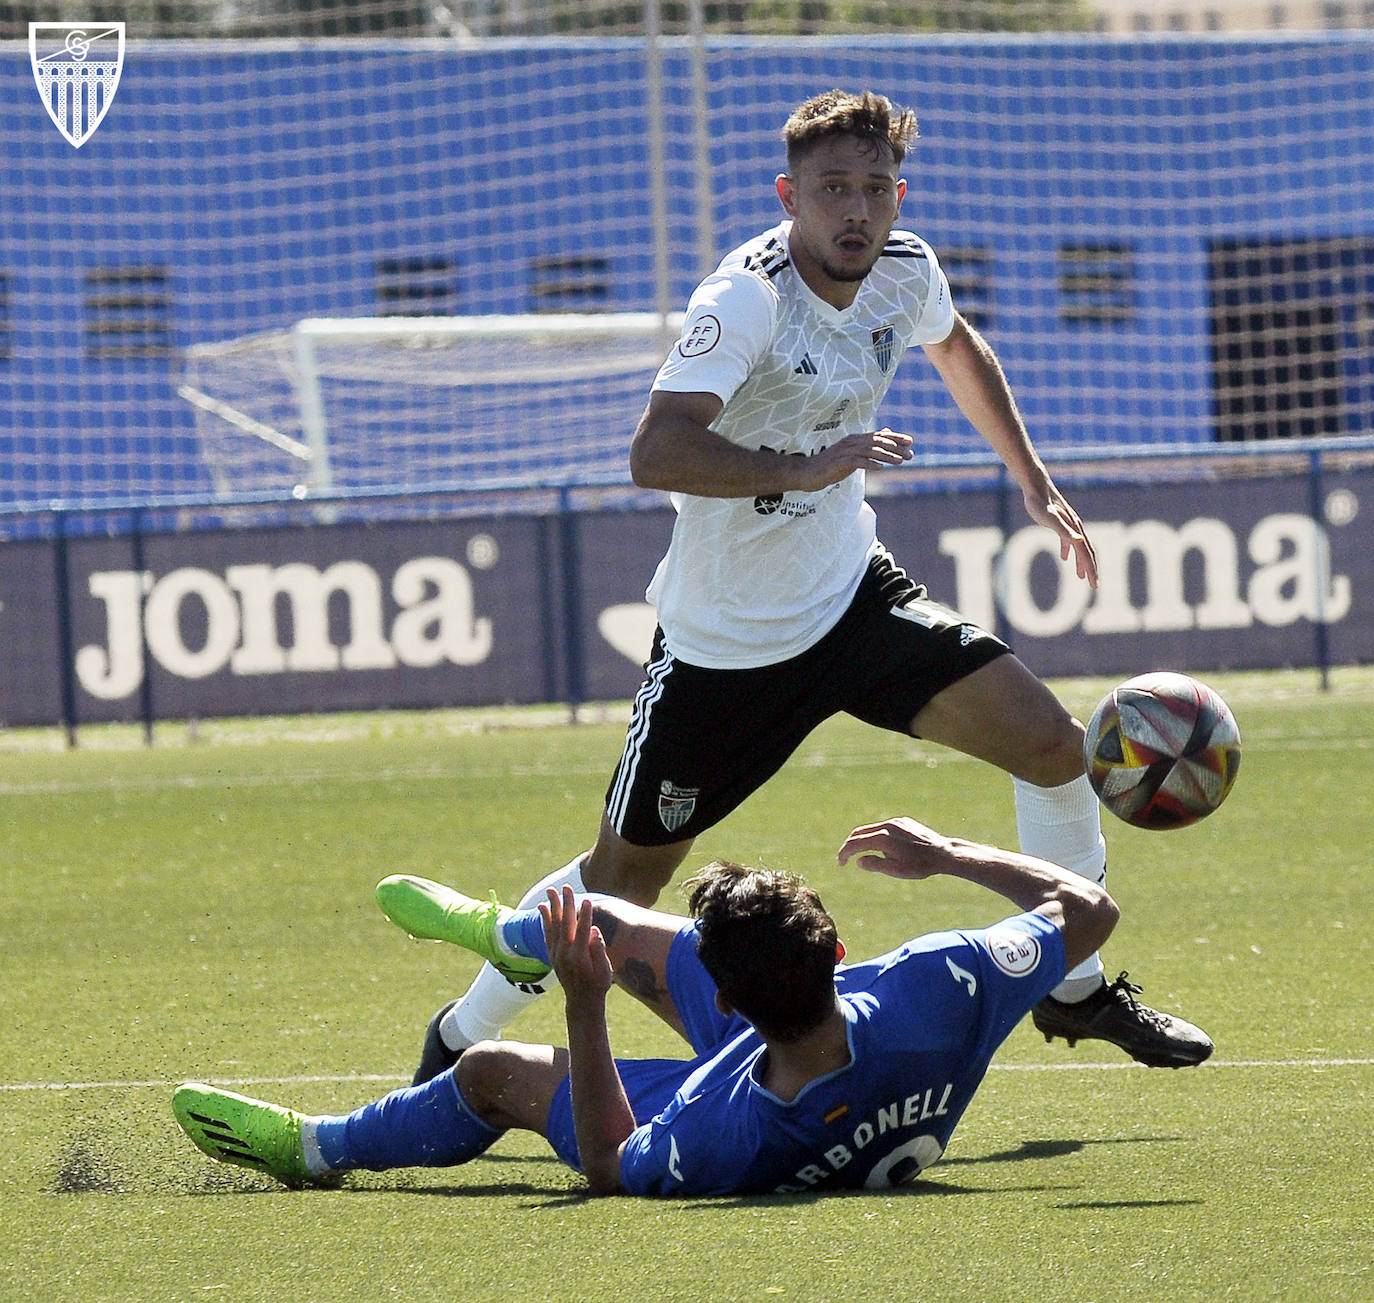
[676,804]
[77,67]
[882,346]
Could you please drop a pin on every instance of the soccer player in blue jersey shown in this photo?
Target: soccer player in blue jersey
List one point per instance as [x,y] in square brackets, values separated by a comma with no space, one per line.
[777,604]
[809,1073]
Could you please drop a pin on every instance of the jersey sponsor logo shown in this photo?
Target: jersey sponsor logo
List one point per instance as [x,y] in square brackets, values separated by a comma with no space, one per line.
[774,504]
[883,338]
[701,336]
[676,804]
[832,422]
[1015,952]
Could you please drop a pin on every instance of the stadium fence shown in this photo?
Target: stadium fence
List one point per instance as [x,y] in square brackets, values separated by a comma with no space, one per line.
[1169,240]
[295,297]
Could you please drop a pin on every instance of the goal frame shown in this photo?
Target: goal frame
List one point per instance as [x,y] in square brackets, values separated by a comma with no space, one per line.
[307,336]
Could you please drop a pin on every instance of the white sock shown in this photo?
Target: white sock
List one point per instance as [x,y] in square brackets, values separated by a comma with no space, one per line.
[314,1161]
[1064,825]
[492,1001]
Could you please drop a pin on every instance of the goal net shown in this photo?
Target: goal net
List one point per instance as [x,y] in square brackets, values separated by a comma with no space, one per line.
[488,402]
[1166,236]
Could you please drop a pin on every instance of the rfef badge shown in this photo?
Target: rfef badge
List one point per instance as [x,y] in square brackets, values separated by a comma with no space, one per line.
[77,67]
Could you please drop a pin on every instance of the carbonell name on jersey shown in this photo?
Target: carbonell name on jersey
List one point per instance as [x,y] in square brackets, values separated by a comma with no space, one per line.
[903,1113]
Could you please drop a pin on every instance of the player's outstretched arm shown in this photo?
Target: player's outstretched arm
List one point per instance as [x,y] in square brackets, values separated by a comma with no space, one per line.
[975,380]
[602,1117]
[903,848]
[675,450]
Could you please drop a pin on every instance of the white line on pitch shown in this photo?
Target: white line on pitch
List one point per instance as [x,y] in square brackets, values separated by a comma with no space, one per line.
[220,1081]
[345,1079]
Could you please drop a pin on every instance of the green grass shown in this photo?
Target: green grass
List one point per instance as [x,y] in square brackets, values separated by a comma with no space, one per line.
[202,909]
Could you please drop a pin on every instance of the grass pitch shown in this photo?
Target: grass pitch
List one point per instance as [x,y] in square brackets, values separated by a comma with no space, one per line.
[202,909]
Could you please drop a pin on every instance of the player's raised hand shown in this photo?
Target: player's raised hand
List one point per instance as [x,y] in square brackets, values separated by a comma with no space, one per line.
[872,450]
[900,848]
[1052,510]
[577,950]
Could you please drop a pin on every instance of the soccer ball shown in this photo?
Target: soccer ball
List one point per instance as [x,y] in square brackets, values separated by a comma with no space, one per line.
[1162,750]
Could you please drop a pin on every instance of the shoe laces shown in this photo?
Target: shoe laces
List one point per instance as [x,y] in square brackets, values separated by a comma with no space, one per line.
[1125,991]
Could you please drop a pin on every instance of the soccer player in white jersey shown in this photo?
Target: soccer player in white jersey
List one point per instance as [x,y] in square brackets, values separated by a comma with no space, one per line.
[807,1075]
[777,606]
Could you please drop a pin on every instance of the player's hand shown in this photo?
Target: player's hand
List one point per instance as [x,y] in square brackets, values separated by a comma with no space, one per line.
[900,848]
[577,950]
[874,450]
[1052,510]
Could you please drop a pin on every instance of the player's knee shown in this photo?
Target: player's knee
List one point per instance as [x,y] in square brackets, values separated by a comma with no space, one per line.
[481,1074]
[634,873]
[1055,756]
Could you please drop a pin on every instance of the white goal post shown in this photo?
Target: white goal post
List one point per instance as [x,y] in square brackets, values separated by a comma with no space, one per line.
[481,402]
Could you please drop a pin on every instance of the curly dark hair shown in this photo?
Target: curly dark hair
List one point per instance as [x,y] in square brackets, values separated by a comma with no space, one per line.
[870,117]
[768,944]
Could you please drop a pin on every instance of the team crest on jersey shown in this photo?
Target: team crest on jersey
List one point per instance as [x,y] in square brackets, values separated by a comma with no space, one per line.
[676,804]
[882,346]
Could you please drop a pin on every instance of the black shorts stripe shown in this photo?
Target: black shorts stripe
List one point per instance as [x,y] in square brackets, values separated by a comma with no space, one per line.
[656,672]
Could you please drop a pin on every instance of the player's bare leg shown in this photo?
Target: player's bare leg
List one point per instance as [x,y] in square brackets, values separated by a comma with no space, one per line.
[613,867]
[638,874]
[509,1084]
[1003,714]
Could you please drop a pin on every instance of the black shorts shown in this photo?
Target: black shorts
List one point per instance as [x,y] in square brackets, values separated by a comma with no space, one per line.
[701,740]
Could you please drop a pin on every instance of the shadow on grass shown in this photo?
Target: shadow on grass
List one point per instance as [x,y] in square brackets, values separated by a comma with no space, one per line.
[1057,1149]
[1027,1150]
[86,1171]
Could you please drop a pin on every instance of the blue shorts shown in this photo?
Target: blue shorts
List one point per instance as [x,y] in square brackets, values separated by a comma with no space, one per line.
[650,1084]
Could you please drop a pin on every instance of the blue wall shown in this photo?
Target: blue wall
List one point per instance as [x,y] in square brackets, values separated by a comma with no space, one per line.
[271,180]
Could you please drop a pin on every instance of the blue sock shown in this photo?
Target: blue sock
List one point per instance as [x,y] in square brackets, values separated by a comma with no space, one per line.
[430,1125]
[523,931]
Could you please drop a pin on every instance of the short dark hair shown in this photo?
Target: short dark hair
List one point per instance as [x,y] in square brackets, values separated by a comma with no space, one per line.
[872,118]
[768,944]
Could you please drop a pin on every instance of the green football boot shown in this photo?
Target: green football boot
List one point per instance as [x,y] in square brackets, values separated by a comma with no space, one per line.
[246,1132]
[430,911]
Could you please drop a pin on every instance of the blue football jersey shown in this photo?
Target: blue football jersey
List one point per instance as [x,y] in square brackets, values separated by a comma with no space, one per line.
[924,1022]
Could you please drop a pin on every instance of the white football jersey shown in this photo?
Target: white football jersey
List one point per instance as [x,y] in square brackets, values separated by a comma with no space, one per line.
[753,581]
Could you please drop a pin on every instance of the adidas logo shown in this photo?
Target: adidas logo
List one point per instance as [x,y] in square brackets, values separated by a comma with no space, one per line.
[806,367]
